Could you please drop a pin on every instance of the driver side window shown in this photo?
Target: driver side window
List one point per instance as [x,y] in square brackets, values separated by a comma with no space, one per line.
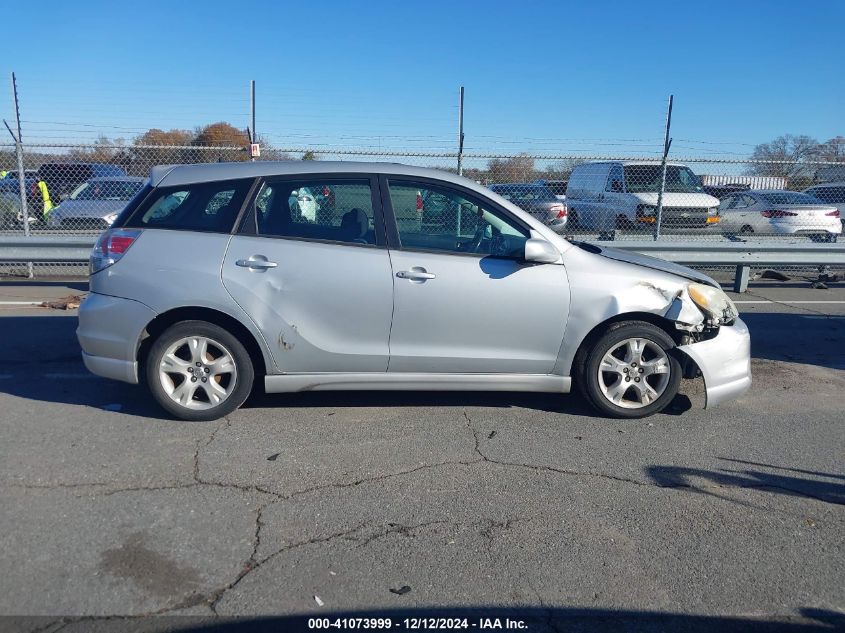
[435,218]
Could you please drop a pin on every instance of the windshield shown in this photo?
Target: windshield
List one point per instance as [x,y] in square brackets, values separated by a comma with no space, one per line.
[106,190]
[646,179]
[789,197]
[524,193]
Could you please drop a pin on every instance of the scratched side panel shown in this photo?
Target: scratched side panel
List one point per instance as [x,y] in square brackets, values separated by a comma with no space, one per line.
[323,308]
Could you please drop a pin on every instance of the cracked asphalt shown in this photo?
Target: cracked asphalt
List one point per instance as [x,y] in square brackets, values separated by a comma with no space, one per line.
[470,500]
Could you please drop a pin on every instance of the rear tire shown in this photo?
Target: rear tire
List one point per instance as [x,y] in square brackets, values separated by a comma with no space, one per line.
[197,371]
[630,371]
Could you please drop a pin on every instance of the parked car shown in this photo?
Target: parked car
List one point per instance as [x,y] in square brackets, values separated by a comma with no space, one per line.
[832,193]
[622,196]
[63,178]
[536,199]
[95,204]
[720,191]
[11,214]
[558,187]
[779,212]
[207,282]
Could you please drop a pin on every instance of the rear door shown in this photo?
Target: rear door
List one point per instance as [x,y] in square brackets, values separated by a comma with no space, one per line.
[315,277]
[464,301]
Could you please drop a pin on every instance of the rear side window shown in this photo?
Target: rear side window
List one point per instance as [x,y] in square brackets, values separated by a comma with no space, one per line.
[208,206]
[325,209]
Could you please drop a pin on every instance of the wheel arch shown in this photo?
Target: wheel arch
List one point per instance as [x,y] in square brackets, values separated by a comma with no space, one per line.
[261,363]
[667,325]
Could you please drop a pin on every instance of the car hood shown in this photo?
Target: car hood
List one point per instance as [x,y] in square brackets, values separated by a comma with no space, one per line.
[645,261]
[89,208]
[675,199]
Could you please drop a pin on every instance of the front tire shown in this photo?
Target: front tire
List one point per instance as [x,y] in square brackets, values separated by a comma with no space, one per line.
[630,371]
[197,371]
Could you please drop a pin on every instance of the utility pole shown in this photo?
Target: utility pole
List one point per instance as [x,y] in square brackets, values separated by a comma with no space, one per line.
[461,133]
[667,143]
[21,171]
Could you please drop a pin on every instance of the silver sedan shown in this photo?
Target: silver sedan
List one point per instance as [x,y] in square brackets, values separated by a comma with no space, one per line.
[779,212]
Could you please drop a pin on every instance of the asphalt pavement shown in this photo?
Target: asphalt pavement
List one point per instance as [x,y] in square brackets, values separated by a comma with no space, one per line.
[522,505]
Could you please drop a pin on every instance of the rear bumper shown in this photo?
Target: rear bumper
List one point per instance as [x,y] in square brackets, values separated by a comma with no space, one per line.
[109,333]
[725,363]
[806,227]
[123,370]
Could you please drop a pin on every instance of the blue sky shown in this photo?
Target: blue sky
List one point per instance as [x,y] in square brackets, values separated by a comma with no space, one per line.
[548,77]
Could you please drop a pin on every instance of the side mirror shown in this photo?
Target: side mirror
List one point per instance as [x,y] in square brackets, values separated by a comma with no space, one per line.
[540,252]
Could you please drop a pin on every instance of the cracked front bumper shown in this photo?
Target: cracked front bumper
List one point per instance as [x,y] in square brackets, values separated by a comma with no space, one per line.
[724,361]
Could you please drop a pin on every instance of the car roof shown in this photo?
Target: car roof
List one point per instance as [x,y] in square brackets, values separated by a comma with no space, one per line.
[519,184]
[625,163]
[170,175]
[116,179]
[773,191]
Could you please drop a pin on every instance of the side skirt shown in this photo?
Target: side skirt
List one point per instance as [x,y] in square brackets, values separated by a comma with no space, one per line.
[416,382]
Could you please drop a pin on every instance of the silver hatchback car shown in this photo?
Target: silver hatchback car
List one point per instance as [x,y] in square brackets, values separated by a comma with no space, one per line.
[213,279]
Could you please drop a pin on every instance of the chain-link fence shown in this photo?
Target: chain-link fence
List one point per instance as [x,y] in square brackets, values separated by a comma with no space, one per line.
[81,189]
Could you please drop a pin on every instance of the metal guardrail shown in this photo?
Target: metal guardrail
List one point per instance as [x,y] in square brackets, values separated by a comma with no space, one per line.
[46,248]
[740,254]
[77,248]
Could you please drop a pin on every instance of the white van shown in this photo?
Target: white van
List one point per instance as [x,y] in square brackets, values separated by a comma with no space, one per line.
[622,196]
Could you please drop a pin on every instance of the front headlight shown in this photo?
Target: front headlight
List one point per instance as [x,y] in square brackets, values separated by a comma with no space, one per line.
[111,217]
[713,302]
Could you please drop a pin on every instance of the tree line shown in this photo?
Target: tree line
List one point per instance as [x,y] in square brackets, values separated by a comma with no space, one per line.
[789,156]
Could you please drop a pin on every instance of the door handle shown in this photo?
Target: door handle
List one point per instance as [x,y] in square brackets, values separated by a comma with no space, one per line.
[255,263]
[416,274]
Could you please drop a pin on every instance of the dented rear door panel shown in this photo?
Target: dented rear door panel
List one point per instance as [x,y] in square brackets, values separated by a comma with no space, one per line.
[324,307]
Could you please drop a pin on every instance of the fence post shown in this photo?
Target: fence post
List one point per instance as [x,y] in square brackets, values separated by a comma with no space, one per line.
[461,133]
[667,142]
[21,170]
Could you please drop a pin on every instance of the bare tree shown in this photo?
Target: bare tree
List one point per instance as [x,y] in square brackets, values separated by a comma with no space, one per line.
[516,169]
[833,149]
[796,151]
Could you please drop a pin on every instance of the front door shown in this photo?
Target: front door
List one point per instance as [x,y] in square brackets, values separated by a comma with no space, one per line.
[464,301]
[314,275]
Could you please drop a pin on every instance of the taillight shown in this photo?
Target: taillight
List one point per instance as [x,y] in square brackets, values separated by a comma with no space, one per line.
[777,213]
[834,213]
[419,202]
[560,209]
[110,247]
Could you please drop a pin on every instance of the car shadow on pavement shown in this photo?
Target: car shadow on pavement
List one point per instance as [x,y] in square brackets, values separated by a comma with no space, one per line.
[552,619]
[41,361]
[811,339]
[703,481]
[569,404]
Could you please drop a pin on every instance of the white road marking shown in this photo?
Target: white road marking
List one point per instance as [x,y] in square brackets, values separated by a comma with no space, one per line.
[789,301]
[22,303]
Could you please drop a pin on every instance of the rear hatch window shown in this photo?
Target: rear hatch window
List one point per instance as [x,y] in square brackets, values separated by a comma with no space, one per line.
[207,206]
